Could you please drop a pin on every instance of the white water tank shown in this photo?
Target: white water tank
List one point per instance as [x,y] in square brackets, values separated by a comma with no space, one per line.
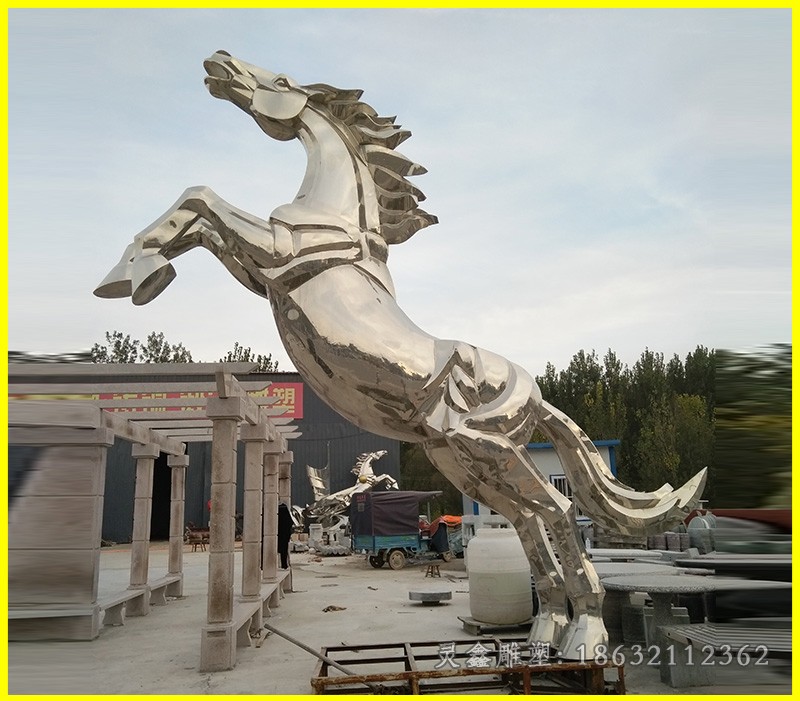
[499,577]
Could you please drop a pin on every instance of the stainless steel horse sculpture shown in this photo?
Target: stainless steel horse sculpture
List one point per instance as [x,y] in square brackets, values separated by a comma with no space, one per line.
[321,262]
[327,506]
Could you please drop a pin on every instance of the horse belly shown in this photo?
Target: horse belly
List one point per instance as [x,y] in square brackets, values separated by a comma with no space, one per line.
[358,350]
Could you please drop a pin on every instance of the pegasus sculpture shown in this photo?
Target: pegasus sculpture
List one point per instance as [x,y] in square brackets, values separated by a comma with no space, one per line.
[327,506]
[321,262]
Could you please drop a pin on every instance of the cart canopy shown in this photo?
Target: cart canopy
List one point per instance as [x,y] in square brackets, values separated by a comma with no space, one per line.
[387,513]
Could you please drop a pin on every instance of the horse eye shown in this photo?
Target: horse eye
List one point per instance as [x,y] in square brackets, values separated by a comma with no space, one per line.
[281,82]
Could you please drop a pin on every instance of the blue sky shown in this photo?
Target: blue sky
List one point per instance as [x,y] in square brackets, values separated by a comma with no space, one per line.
[603,178]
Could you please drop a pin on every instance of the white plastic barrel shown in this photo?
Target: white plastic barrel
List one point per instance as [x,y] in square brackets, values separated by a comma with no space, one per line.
[499,577]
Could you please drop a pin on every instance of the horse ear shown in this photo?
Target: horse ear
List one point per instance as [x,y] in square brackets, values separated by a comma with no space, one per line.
[278,105]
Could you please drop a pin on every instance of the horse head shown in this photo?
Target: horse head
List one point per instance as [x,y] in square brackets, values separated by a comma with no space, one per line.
[274,100]
[282,107]
[363,468]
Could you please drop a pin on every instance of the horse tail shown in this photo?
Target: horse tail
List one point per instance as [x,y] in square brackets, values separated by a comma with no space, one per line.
[601,496]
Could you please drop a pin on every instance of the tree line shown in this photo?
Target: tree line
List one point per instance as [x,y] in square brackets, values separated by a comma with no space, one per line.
[726,410]
[121,348]
[662,411]
[753,428]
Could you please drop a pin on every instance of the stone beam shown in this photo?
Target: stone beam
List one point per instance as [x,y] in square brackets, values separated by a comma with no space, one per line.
[136,434]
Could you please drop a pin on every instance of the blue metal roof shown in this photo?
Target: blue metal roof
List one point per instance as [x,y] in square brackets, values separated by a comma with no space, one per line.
[598,444]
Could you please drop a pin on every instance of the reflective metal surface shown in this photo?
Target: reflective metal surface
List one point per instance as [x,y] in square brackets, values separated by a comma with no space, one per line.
[321,261]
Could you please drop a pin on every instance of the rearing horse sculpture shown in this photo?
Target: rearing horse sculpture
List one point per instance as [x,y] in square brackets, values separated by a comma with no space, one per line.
[321,262]
[327,506]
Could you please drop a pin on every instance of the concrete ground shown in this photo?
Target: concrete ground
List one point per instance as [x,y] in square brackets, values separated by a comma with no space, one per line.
[159,653]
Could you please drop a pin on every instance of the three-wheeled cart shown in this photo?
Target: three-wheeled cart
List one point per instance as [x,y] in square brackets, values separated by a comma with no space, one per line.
[386,525]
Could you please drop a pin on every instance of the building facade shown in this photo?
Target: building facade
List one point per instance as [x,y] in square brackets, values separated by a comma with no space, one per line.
[327,440]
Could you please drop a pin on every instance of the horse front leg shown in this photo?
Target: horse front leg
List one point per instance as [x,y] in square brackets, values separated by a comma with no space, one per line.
[199,218]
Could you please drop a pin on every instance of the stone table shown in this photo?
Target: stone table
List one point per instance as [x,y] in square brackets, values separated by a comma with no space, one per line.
[662,588]
[754,565]
[615,601]
[616,569]
[676,668]
[748,594]
[621,555]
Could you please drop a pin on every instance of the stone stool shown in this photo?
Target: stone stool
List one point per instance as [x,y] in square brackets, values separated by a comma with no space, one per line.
[431,597]
[432,571]
[679,613]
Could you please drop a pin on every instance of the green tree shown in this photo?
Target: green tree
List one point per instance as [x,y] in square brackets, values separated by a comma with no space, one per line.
[240,354]
[578,382]
[655,453]
[652,408]
[647,415]
[752,451]
[157,350]
[121,348]
[694,435]
[700,375]
[605,413]
[676,375]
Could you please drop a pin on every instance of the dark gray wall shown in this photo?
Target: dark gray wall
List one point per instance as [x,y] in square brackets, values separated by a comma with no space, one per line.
[323,431]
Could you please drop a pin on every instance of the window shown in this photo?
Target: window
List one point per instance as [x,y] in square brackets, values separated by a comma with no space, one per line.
[561,484]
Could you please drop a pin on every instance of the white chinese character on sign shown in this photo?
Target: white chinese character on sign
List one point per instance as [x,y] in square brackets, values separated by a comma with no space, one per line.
[446,653]
[540,652]
[477,656]
[509,655]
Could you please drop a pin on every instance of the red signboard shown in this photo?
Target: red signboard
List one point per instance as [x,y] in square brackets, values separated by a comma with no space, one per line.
[289,395]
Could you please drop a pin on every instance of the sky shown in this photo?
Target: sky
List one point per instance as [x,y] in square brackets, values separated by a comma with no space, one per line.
[603,178]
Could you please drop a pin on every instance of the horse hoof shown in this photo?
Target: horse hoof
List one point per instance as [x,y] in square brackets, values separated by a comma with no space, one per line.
[548,628]
[150,275]
[117,283]
[584,639]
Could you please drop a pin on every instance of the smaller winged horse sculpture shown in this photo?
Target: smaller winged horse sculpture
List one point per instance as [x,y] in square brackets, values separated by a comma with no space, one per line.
[326,506]
[321,262]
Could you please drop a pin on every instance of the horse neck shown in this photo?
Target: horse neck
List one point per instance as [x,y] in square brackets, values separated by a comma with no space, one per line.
[336,178]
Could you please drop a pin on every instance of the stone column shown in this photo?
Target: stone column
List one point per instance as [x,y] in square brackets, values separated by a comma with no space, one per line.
[254,439]
[285,478]
[142,508]
[218,642]
[178,465]
[272,454]
[285,496]
[55,522]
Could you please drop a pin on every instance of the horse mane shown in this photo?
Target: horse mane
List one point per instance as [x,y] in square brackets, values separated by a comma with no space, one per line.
[365,459]
[361,460]
[376,138]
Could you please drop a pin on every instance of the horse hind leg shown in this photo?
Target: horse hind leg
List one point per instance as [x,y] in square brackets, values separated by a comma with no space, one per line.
[510,472]
[551,620]
[601,495]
